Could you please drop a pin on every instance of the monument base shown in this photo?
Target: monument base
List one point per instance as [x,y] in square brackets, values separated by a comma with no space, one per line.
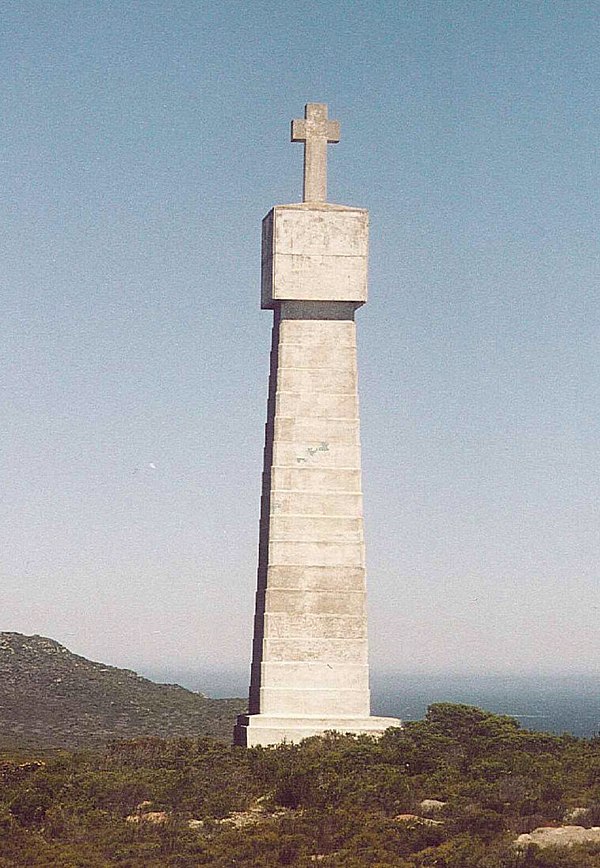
[265,729]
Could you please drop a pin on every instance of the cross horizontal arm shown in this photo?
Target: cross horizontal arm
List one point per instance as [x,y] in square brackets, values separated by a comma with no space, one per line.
[300,133]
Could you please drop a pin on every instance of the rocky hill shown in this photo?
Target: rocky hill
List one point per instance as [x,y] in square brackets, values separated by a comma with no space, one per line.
[50,697]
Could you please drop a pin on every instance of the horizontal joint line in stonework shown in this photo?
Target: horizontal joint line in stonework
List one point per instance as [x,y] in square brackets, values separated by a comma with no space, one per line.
[299,418]
[359,616]
[359,566]
[324,441]
[290,342]
[319,368]
[314,541]
[313,515]
[345,438]
[311,344]
[271,587]
[315,590]
[304,689]
[334,469]
[328,254]
[332,491]
[340,615]
[311,639]
[303,539]
[314,663]
[313,392]
[276,491]
[308,466]
[323,419]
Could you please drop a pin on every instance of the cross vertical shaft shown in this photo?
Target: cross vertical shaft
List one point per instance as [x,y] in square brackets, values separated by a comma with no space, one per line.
[316,131]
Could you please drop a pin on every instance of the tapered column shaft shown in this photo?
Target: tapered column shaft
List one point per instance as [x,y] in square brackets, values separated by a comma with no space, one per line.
[310,653]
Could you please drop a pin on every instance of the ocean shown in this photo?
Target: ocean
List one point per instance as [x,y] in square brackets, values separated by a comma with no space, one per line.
[546,703]
[549,703]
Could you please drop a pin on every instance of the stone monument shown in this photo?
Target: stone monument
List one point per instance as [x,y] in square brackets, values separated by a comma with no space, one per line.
[309,667]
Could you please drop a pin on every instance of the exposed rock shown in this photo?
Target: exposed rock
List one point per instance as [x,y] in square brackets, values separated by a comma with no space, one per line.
[155,818]
[255,814]
[414,818]
[574,814]
[11,772]
[563,836]
[432,806]
[239,819]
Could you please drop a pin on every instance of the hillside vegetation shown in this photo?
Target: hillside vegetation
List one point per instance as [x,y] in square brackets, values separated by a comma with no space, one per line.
[451,791]
[53,698]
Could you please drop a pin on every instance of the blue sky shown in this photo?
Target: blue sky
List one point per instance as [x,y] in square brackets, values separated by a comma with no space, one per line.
[141,145]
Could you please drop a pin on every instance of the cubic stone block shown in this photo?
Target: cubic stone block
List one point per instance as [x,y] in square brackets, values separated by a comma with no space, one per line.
[317,479]
[319,528]
[315,577]
[333,380]
[338,674]
[316,701]
[318,602]
[316,503]
[334,405]
[350,650]
[317,553]
[278,625]
[314,253]
[315,430]
[316,453]
[322,356]
[315,334]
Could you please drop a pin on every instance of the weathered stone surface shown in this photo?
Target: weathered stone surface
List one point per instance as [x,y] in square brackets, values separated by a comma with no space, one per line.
[563,836]
[314,253]
[574,814]
[432,806]
[301,601]
[350,650]
[280,624]
[309,670]
[152,818]
[316,131]
[316,479]
[417,820]
[316,578]
[330,702]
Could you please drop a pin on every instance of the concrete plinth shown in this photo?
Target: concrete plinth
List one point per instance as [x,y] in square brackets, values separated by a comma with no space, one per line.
[262,729]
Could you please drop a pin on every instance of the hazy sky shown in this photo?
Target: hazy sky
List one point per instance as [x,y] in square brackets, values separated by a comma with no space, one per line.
[141,144]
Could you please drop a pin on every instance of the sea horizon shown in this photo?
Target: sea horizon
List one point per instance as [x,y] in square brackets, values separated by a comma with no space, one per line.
[557,703]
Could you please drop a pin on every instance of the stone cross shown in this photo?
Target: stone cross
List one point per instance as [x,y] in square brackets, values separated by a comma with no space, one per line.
[315,131]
